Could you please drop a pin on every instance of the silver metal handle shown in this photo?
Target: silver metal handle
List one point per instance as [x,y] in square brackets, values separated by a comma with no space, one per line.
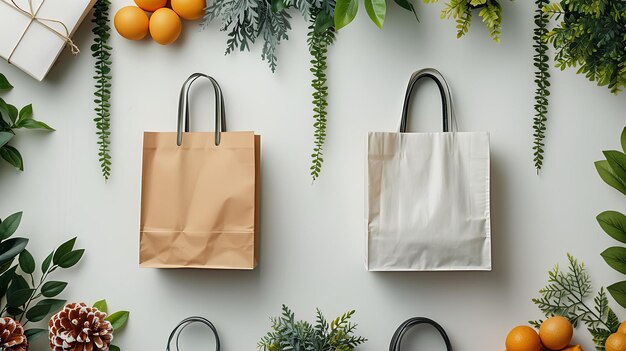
[183,108]
[444,89]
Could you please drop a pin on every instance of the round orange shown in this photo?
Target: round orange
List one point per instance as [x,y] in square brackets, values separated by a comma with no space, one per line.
[616,342]
[131,22]
[189,9]
[151,5]
[622,328]
[165,26]
[523,338]
[556,333]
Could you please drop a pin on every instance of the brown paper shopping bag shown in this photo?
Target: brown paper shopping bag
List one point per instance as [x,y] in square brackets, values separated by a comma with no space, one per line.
[200,194]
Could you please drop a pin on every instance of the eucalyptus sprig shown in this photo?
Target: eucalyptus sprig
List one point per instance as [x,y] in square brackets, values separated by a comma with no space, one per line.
[24,297]
[290,335]
[567,295]
[12,119]
[101,51]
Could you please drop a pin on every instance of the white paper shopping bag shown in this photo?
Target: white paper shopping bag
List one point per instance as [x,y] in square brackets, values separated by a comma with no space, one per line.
[427,196]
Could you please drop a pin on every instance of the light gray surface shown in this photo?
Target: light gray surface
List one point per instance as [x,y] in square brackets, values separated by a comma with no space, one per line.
[312,252]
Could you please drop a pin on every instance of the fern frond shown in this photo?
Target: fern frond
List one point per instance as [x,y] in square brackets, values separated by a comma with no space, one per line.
[101,51]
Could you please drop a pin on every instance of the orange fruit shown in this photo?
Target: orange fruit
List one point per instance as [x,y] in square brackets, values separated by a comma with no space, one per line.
[622,328]
[151,5]
[165,26]
[556,333]
[523,338]
[189,9]
[573,348]
[131,22]
[616,342]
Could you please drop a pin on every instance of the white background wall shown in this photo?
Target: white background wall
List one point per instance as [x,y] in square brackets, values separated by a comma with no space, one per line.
[312,250]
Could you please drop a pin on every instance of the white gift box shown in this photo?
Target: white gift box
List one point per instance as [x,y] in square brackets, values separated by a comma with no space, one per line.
[34,32]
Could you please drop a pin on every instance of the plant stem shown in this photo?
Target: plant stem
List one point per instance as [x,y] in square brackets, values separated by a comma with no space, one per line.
[34,295]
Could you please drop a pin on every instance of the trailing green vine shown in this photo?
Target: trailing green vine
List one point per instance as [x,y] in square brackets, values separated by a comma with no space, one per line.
[319,41]
[102,52]
[542,80]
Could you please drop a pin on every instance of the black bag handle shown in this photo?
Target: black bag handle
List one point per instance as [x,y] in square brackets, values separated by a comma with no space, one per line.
[184,323]
[183,108]
[396,340]
[444,89]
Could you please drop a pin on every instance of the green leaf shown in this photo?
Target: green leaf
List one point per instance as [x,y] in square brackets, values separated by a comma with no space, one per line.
[623,139]
[52,288]
[118,319]
[345,11]
[278,5]
[11,248]
[405,4]
[45,265]
[34,333]
[618,291]
[5,137]
[27,262]
[63,250]
[102,306]
[19,297]
[323,22]
[37,312]
[33,124]
[615,257]
[614,224]
[608,175]
[12,156]
[376,9]
[5,279]
[4,83]
[617,161]
[71,258]
[26,112]
[12,110]
[9,226]
[114,348]
[55,304]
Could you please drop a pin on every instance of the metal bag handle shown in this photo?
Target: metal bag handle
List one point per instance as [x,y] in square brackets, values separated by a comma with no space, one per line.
[183,108]
[187,321]
[444,90]
[396,340]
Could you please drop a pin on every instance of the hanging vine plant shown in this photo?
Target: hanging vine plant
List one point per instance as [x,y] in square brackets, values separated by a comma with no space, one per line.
[101,51]
[589,35]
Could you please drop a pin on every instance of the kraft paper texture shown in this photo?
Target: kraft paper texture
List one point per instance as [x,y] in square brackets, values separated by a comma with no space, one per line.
[199,201]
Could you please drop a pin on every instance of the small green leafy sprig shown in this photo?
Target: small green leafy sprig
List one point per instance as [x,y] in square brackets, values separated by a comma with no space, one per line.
[613,171]
[290,335]
[11,119]
[23,297]
[101,51]
[319,41]
[542,80]
[117,319]
[591,35]
[566,295]
[490,11]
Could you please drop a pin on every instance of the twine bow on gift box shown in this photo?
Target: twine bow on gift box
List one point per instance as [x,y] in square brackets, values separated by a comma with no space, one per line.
[32,15]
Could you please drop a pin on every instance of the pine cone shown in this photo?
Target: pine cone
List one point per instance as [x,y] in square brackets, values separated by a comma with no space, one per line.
[79,328]
[12,336]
